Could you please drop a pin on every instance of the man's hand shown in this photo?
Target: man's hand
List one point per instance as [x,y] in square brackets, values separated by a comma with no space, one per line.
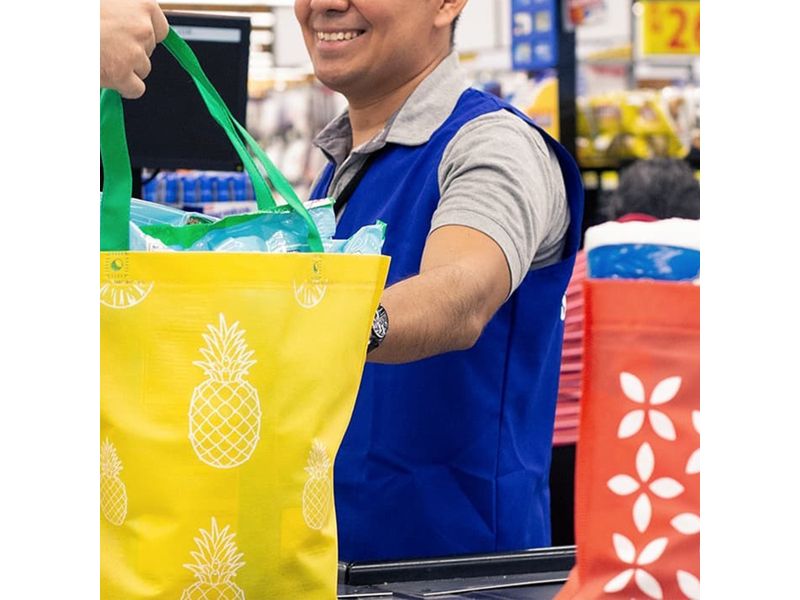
[463,280]
[129,32]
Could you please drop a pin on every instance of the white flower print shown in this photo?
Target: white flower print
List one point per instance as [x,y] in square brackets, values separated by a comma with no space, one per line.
[664,487]
[689,584]
[686,523]
[626,552]
[693,464]
[665,390]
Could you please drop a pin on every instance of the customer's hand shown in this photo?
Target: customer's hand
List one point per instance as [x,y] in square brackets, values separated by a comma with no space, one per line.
[129,32]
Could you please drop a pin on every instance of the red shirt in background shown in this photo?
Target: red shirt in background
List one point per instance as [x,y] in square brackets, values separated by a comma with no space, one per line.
[569,386]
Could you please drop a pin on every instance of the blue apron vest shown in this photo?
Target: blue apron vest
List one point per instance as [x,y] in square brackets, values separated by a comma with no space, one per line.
[451,454]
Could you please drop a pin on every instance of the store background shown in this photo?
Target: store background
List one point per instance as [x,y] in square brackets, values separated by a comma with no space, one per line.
[603,68]
[49,249]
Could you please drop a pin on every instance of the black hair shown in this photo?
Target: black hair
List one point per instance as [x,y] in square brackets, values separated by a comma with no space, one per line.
[453,30]
[659,187]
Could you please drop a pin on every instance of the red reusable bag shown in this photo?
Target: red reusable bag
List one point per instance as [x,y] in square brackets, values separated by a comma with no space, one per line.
[637,481]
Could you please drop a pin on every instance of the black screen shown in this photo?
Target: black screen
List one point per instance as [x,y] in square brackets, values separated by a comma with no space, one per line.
[169,127]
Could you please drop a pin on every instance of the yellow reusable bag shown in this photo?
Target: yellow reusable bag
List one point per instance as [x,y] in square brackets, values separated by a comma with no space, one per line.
[227,383]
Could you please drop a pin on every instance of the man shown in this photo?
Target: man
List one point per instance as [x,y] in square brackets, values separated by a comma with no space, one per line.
[448,448]
[129,32]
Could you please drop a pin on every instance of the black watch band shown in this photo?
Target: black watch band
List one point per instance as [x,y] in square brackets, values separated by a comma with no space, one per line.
[380,326]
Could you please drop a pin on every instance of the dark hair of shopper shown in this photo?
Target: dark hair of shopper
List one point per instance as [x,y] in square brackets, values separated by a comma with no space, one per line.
[660,187]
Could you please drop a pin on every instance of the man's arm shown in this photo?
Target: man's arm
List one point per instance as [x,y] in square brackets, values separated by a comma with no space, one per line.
[500,207]
[129,32]
[463,280]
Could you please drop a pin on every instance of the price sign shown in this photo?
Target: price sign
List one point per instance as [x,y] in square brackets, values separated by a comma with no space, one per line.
[671,27]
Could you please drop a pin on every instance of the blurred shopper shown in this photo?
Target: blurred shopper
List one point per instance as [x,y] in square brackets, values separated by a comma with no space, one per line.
[129,32]
[649,190]
[448,448]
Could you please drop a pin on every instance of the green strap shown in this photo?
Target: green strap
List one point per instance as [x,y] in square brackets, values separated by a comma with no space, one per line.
[219,110]
[184,55]
[115,203]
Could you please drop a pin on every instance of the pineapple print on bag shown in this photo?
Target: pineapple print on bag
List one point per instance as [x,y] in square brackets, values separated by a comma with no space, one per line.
[310,293]
[317,493]
[113,496]
[124,295]
[216,561]
[225,414]
[116,290]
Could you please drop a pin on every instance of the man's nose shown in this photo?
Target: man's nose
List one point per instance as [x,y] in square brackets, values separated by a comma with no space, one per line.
[320,6]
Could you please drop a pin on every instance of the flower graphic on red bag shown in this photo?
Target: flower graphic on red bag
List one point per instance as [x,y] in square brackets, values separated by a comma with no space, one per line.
[689,585]
[663,487]
[626,552]
[693,464]
[665,390]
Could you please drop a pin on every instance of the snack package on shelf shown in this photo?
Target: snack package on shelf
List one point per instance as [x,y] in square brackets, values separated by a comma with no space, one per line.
[616,127]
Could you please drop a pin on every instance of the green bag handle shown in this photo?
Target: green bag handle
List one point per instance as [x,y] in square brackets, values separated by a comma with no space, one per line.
[115,202]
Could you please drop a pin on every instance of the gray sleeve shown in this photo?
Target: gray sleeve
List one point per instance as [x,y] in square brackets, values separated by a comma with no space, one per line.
[498,176]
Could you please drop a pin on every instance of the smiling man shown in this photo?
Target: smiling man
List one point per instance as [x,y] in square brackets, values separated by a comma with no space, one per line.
[448,448]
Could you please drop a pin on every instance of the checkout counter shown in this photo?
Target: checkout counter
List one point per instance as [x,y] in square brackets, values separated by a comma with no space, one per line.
[531,575]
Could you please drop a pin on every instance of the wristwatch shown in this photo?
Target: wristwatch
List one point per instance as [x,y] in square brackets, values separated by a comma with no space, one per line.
[380,325]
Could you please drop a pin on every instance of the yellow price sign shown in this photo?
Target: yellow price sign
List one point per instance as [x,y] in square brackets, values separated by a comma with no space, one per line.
[671,27]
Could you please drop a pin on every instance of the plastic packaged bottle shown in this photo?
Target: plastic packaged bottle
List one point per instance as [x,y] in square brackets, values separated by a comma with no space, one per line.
[206,188]
[240,187]
[171,189]
[224,188]
[190,189]
[149,190]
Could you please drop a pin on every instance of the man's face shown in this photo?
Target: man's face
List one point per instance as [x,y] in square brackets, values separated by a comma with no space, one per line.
[365,47]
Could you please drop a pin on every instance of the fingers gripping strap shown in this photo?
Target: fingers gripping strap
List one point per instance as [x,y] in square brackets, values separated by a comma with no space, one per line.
[115,204]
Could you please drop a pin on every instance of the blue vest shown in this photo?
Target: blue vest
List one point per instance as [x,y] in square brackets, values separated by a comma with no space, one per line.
[451,454]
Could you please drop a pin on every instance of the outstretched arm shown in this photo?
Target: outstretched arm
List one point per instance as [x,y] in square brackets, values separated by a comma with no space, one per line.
[463,280]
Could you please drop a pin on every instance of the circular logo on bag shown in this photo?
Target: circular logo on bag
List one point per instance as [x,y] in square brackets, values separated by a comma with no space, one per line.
[311,292]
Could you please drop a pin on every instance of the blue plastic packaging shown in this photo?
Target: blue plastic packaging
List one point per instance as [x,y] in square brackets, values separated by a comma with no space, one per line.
[644,261]
[279,230]
[668,249]
[152,213]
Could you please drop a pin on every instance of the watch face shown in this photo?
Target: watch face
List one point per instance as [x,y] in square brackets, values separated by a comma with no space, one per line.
[380,324]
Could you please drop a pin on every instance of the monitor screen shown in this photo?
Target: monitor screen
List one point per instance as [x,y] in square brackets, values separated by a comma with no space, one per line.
[169,127]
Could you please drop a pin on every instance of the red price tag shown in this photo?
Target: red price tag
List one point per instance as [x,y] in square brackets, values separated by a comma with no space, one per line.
[671,27]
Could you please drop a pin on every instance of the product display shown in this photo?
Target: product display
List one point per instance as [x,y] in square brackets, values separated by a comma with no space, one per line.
[623,126]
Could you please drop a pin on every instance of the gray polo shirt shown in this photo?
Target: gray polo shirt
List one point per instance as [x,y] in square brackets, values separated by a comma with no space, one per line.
[497,174]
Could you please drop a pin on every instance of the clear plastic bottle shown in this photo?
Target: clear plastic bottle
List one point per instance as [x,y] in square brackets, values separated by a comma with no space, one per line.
[224,188]
[240,186]
[206,188]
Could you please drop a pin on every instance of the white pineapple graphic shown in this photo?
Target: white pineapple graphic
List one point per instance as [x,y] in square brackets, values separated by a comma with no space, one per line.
[113,496]
[225,414]
[317,493]
[216,561]
[117,291]
[116,294]
[311,292]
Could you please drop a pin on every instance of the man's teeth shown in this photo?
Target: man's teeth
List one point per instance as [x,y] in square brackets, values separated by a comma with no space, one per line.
[338,36]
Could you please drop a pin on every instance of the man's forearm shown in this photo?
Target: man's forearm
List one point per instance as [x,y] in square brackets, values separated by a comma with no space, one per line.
[441,310]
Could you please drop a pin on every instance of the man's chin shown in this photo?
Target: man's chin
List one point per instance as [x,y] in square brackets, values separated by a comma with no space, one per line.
[337,81]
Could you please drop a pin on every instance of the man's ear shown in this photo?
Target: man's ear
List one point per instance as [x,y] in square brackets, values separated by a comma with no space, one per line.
[448,11]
